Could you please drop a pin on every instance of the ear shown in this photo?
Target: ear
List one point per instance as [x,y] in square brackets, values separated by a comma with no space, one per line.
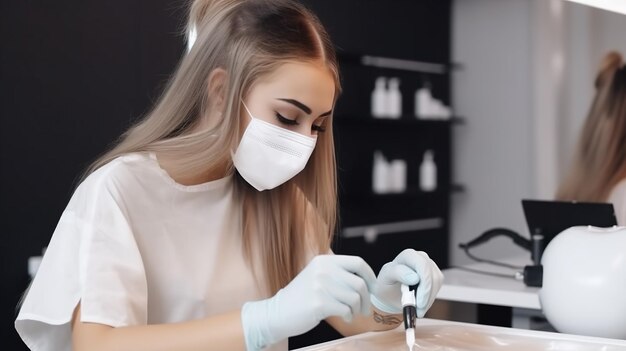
[217,84]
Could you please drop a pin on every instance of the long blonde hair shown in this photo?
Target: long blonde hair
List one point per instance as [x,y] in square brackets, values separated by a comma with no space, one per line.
[248,39]
[600,161]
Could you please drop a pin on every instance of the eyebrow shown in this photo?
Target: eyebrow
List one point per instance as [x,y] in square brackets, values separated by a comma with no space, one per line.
[304,107]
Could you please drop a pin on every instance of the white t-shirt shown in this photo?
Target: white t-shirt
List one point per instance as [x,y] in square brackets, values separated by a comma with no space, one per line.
[135,248]
[618,198]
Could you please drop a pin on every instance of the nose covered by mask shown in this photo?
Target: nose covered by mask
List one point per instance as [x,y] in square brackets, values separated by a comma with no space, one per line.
[268,155]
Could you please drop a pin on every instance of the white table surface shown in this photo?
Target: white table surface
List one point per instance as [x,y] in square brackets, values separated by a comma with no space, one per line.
[545,340]
[465,286]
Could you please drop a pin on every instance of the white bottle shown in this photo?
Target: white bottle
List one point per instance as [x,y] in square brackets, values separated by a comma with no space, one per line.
[394,96]
[379,98]
[398,176]
[423,103]
[380,174]
[428,172]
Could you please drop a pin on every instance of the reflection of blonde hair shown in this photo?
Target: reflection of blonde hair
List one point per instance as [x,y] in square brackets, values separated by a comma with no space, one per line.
[600,162]
[248,39]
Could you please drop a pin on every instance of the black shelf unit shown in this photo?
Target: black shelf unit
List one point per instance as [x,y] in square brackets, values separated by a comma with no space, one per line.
[399,64]
[356,142]
[405,34]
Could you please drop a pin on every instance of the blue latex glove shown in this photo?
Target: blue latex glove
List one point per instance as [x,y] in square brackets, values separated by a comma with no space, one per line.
[410,267]
[330,285]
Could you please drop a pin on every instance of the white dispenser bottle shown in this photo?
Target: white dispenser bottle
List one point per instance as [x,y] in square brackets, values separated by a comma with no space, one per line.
[428,172]
[398,176]
[379,98]
[394,96]
[380,174]
[423,102]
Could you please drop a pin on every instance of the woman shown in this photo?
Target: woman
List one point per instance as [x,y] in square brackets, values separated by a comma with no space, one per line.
[208,226]
[598,173]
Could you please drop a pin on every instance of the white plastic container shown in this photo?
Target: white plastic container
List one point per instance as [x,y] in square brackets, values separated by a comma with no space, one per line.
[394,99]
[380,174]
[428,172]
[398,176]
[423,101]
[379,100]
[584,282]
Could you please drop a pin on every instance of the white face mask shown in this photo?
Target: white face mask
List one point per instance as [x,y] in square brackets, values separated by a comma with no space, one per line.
[268,155]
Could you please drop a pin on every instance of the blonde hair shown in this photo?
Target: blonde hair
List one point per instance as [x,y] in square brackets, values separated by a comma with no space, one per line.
[600,160]
[247,39]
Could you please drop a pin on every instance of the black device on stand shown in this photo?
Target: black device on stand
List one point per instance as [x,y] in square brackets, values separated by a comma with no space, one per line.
[545,220]
[549,218]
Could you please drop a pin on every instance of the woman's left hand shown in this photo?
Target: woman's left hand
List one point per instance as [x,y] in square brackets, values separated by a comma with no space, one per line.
[410,267]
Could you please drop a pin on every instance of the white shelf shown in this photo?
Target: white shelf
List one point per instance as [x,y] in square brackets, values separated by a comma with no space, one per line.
[464,286]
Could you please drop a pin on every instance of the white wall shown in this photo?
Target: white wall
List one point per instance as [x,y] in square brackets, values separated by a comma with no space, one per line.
[492,151]
[525,90]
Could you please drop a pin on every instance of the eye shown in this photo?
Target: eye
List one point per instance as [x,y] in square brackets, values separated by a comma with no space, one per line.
[318,125]
[318,128]
[285,120]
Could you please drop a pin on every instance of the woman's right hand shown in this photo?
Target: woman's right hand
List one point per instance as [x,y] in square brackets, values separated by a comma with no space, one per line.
[330,285]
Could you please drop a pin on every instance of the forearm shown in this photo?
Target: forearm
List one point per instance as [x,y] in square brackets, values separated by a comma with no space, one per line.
[223,332]
[377,321]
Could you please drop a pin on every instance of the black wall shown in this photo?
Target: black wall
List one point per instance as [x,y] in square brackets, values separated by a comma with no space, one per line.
[75,74]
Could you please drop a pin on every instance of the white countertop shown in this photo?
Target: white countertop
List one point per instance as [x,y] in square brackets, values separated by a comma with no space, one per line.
[433,334]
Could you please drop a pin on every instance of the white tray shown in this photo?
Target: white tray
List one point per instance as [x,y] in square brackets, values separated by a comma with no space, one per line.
[432,334]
